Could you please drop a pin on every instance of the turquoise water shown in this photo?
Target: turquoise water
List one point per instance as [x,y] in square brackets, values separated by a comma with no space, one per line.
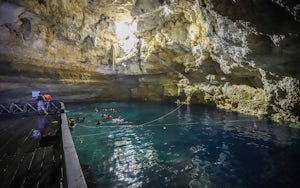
[163,145]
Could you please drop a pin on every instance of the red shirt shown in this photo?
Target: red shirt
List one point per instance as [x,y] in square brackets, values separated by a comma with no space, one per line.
[47,97]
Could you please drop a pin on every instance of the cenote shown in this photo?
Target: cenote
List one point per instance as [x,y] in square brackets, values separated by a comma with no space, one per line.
[165,145]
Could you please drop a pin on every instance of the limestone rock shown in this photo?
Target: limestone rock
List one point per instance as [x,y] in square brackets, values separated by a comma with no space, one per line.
[230,54]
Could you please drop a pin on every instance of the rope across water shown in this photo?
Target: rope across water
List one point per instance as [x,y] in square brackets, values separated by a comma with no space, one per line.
[152,125]
[149,123]
[140,125]
[133,126]
[162,116]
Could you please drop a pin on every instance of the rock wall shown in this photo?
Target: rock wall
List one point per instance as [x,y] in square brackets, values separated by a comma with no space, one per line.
[240,55]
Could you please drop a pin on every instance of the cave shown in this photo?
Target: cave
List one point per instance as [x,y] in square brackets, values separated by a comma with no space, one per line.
[240,56]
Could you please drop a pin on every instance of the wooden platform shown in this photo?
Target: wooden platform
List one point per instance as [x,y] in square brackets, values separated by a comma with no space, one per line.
[30,151]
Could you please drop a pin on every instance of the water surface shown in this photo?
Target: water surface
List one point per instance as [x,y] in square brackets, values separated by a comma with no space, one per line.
[163,145]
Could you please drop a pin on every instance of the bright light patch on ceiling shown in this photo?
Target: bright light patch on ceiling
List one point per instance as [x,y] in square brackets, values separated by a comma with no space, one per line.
[125,32]
[122,29]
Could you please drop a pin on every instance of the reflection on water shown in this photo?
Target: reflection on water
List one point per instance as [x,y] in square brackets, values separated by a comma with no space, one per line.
[191,146]
[130,156]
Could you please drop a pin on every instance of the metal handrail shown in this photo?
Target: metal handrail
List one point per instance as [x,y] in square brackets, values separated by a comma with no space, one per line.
[25,107]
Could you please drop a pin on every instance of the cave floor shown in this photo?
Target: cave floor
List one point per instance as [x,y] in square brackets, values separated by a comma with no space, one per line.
[30,154]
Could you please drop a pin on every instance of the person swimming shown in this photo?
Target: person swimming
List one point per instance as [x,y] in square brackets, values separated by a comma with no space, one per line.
[79,120]
[120,119]
[71,122]
[98,123]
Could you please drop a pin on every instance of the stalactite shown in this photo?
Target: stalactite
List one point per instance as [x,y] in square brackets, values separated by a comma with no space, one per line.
[113,54]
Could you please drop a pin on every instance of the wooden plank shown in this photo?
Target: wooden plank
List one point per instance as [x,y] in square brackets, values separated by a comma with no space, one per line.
[50,174]
[29,143]
[75,178]
[49,154]
[11,169]
[22,171]
[4,138]
[35,168]
[4,165]
[7,144]
[11,146]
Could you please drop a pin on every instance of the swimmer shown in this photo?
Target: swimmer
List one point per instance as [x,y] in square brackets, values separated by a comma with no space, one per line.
[115,111]
[96,109]
[118,120]
[98,123]
[80,119]
[71,122]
